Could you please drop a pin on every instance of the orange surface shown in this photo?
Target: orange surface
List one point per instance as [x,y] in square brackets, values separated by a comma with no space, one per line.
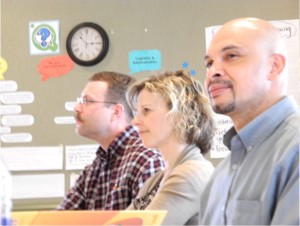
[82,217]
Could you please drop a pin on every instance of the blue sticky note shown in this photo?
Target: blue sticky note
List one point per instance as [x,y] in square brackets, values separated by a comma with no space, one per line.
[144,60]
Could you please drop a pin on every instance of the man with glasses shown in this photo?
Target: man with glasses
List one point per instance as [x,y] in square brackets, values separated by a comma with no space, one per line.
[122,162]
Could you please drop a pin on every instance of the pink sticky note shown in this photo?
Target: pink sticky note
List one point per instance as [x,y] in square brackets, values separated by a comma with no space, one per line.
[55,67]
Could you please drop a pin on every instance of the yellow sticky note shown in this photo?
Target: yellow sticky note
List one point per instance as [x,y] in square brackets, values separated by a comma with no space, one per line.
[3,68]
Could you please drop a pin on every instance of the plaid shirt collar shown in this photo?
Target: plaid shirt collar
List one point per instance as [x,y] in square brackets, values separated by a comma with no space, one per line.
[116,148]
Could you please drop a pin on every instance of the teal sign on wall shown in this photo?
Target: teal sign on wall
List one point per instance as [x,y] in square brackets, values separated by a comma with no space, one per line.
[144,60]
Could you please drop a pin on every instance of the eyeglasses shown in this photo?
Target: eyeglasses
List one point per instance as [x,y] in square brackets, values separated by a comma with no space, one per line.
[83,100]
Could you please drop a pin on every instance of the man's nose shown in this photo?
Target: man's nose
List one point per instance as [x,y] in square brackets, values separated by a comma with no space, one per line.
[77,107]
[214,71]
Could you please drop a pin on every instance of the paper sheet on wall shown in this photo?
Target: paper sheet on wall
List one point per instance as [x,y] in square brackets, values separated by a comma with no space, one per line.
[38,186]
[223,123]
[289,30]
[33,158]
[79,156]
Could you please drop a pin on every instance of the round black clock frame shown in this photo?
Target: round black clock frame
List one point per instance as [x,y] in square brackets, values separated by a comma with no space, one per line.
[72,49]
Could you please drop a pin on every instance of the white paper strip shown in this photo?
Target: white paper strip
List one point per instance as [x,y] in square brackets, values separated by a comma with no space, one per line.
[38,186]
[33,158]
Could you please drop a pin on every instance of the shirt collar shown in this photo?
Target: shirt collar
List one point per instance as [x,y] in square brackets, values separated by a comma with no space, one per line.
[264,124]
[118,146]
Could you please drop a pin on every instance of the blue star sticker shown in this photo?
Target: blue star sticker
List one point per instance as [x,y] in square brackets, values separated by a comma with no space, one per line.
[185,64]
[193,72]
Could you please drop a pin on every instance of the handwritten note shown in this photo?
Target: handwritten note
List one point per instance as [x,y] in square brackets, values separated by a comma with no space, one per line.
[78,156]
[55,67]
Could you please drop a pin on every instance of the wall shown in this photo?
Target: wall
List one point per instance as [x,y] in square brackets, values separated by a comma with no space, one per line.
[174,27]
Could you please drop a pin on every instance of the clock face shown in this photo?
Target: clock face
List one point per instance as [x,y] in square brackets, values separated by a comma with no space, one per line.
[87,44]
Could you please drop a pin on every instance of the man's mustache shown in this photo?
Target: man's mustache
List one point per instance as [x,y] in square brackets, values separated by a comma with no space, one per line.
[219,81]
[78,118]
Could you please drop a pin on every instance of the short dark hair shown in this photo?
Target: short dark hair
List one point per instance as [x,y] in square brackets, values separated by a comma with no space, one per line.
[117,87]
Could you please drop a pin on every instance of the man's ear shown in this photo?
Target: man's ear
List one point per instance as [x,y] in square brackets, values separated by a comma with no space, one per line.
[278,63]
[118,110]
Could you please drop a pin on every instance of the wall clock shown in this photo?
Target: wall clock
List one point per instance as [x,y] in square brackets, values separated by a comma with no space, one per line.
[87,44]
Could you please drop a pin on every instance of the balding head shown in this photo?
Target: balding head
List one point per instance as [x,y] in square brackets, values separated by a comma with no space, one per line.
[257,29]
[246,68]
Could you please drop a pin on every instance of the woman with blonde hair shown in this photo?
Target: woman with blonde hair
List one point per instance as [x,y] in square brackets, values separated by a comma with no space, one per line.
[173,115]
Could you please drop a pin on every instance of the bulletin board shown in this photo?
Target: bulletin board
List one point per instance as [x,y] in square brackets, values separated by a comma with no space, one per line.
[39,83]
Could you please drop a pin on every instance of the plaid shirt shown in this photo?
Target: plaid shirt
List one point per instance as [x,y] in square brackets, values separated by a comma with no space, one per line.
[115,176]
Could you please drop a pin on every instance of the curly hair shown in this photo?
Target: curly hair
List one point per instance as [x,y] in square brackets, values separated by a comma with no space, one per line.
[189,108]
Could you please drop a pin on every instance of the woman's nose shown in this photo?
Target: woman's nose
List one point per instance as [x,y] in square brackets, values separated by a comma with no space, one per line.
[134,121]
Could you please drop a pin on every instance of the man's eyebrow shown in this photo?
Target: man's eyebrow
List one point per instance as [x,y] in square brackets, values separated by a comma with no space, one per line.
[223,50]
[229,48]
[206,57]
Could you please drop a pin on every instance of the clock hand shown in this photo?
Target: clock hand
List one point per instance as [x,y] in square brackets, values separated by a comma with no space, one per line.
[86,44]
[82,40]
[92,43]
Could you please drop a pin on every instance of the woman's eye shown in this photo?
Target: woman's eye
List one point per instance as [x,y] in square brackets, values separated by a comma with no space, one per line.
[145,111]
